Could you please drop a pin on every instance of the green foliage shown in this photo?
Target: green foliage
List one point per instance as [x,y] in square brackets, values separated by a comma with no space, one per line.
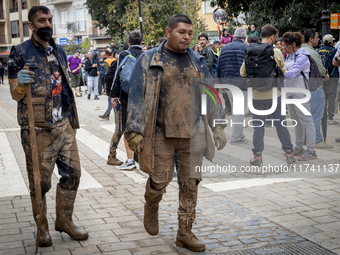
[293,15]
[85,46]
[72,47]
[155,13]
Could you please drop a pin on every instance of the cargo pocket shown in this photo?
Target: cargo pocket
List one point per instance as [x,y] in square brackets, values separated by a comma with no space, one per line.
[38,104]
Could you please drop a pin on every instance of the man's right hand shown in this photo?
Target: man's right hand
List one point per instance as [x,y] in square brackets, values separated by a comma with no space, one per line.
[25,77]
[113,102]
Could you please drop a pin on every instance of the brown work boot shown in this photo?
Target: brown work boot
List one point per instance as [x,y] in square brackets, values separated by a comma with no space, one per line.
[185,238]
[43,234]
[186,216]
[112,158]
[64,210]
[152,199]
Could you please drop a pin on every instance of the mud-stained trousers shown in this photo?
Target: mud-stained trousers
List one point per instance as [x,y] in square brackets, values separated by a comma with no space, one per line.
[117,135]
[55,146]
[188,154]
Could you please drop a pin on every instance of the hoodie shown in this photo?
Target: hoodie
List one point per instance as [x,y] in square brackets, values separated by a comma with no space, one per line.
[295,63]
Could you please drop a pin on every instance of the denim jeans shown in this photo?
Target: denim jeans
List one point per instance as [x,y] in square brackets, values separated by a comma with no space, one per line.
[305,125]
[101,83]
[92,83]
[109,105]
[317,106]
[237,129]
[259,129]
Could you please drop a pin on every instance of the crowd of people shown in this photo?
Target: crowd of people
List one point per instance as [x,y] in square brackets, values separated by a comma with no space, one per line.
[295,55]
[150,91]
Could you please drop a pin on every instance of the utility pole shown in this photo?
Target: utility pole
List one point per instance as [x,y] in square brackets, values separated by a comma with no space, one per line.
[141,21]
[121,26]
[325,19]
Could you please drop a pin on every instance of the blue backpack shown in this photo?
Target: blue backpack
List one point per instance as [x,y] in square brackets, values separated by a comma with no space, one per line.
[125,70]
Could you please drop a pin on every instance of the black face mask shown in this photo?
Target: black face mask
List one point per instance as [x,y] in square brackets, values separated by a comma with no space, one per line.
[45,33]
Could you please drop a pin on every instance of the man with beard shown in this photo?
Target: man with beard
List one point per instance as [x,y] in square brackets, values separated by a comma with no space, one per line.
[55,117]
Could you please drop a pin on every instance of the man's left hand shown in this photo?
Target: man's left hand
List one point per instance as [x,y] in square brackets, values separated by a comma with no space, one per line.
[220,139]
[135,142]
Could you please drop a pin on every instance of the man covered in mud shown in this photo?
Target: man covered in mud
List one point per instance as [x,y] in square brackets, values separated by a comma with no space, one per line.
[55,117]
[161,125]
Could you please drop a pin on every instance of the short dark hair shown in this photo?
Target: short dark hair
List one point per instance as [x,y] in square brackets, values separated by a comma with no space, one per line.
[35,9]
[135,37]
[217,42]
[253,39]
[125,46]
[268,31]
[254,25]
[278,40]
[309,33]
[203,35]
[172,24]
[108,52]
[77,52]
[290,37]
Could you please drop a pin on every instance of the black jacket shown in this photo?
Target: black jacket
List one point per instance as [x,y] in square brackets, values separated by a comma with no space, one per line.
[116,91]
[92,71]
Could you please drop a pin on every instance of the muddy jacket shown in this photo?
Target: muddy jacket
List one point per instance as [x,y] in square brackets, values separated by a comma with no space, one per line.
[42,101]
[144,97]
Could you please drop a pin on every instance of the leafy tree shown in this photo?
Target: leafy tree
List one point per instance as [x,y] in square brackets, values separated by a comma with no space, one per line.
[85,46]
[294,15]
[72,47]
[155,13]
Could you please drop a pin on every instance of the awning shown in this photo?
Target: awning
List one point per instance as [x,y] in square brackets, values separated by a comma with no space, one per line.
[4,54]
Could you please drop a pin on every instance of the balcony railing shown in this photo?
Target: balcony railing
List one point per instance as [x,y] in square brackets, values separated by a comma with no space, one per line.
[15,9]
[77,26]
[95,34]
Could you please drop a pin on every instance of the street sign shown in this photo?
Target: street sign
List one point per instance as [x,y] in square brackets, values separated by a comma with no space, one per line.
[63,41]
[335,21]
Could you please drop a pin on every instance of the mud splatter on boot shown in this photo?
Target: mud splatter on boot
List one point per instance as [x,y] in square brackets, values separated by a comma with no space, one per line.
[151,206]
[64,210]
[45,239]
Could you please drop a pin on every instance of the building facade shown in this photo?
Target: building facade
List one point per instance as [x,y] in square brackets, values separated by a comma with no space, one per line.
[72,22]
[13,24]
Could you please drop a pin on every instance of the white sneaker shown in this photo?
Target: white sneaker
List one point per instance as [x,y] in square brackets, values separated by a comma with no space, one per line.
[129,165]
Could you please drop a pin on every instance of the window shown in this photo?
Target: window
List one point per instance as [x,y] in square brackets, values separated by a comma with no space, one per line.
[80,20]
[14,28]
[26,30]
[207,9]
[63,17]
[24,4]
[13,6]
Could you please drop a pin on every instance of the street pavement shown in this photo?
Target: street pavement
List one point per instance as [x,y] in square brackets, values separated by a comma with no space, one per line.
[237,213]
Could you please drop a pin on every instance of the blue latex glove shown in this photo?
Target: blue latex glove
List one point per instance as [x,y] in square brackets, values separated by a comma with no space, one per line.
[25,77]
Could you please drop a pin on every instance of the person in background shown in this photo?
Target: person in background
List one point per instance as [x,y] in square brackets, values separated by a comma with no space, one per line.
[217,46]
[252,39]
[74,65]
[101,82]
[91,67]
[207,52]
[196,48]
[253,31]
[317,101]
[2,72]
[226,37]
[113,46]
[297,61]
[278,42]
